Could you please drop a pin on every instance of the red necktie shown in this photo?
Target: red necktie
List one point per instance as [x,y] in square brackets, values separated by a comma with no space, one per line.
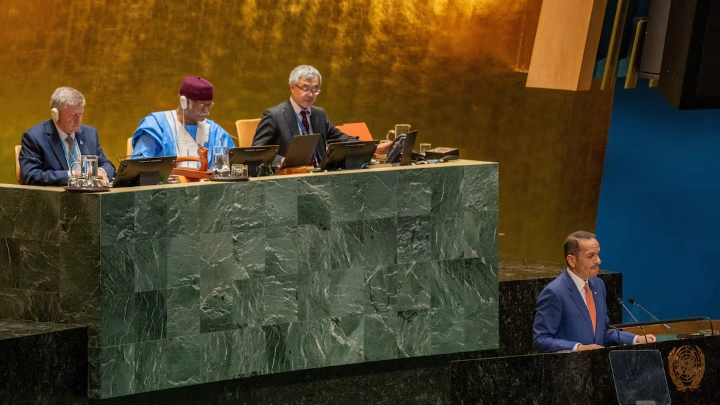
[306,124]
[591,306]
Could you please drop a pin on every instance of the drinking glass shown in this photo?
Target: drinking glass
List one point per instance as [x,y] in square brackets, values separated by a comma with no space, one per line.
[401,129]
[239,170]
[75,178]
[424,147]
[89,170]
[220,161]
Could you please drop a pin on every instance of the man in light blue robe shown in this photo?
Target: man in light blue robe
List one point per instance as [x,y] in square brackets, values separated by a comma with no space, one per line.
[181,131]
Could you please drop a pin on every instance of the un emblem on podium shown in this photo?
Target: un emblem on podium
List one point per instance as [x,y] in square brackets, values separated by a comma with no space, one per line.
[687,366]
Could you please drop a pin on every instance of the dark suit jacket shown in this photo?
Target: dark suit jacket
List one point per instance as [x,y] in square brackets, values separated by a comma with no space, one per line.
[562,318]
[278,126]
[42,158]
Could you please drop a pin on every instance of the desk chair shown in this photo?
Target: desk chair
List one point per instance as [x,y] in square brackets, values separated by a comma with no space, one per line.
[18,175]
[357,129]
[246,131]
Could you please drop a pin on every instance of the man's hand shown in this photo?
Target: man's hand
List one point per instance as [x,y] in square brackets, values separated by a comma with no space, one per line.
[104,176]
[582,348]
[383,147]
[646,339]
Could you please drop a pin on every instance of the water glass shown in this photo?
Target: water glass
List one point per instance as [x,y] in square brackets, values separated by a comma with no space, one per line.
[75,178]
[424,147]
[89,169]
[239,170]
[401,129]
[220,161]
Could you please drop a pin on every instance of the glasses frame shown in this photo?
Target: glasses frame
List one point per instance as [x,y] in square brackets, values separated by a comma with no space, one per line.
[202,106]
[314,92]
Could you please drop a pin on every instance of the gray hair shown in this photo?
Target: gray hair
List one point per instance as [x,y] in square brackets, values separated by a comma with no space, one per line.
[66,96]
[304,72]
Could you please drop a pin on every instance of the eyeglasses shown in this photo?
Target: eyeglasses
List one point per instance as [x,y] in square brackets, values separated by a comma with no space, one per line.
[204,105]
[308,90]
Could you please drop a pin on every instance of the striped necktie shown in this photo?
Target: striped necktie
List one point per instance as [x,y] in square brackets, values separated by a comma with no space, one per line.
[70,143]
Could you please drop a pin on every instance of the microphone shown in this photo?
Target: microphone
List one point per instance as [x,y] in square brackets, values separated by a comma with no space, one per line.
[632,301]
[620,301]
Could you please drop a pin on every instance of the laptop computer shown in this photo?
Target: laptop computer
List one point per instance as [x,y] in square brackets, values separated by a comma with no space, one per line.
[301,150]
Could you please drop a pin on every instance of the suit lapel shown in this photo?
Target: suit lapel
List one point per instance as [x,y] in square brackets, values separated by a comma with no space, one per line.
[290,118]
[55,143]
[315,121]
[577,299]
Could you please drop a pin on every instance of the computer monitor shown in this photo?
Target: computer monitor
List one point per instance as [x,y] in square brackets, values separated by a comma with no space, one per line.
[301,150]
[349,155]
[253,157]
[144,171]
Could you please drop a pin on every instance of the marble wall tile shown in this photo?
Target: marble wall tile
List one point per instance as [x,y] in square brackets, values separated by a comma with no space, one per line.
[447,330]
[280,299]
[151,214]
[81,218]
[118,319]
[448,236]
[315,344]
[183,211]
[150,366]
[314,295]
[382,284]
[150,258]
[446,195]
[184,356]
[282,347]
[117,212]
[31,305]
[349,292]
[347,198]
[118,370]
[249,302]
[217,355]
[414,285]
[380,242]
[183,311]
[8,276]
[150,315]
[415,238]
[41,213]
[281,251]
[8,211]
[481,327]
[314,201]
[348,340]
[463,283]
[215,213]
[480,233]
[217,259]
[80,271]
[249,251]
[313,248]
[381,336]
[347,240]
[118,264]
[183,261]
[281,203]
[248,210]
[35,265]
[249,356]
[479,188]
[217,302]
[83,309]
[414,333]
[414,192]
[381,196]
[95,372]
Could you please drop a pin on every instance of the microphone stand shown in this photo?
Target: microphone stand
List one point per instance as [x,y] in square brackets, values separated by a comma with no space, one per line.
[620,301]
[632,301]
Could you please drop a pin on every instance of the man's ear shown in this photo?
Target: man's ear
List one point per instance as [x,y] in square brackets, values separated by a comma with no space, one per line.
[570,260]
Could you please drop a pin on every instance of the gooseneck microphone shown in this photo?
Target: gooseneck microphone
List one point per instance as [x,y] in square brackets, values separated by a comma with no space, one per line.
[620,301]
[632,301]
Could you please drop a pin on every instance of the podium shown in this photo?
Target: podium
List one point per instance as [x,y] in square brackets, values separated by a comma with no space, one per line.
[689,352]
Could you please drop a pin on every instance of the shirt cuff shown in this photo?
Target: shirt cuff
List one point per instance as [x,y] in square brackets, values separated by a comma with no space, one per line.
[635,339]
[575,347]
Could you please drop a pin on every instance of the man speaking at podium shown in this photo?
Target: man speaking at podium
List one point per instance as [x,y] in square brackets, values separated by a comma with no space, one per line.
[571,312]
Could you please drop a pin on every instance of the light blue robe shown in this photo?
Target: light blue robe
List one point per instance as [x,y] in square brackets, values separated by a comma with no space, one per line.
[154,137]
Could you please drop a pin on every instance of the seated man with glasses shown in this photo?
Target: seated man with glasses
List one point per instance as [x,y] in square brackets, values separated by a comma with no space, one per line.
[297,116]
[181,131]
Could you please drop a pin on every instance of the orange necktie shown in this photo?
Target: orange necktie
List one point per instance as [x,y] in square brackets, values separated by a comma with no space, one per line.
[590,304]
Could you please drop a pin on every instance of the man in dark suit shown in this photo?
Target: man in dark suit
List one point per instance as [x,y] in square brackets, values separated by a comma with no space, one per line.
[50,148]
[571,312]
[298,116]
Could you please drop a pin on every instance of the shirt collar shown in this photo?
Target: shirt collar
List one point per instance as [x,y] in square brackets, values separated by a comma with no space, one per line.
[297,108]
[62,133]
[580,283]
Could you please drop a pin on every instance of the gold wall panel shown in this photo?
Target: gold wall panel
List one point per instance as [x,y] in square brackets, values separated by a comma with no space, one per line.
[448,67]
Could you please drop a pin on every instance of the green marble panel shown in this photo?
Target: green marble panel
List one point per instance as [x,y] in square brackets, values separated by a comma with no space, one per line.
[480,234]
[482,331]
[380,192]
[118,370]
[380,242]
[347,336]
[414,285]
[217,259]
[183,211]
[314,296]
[150,366]
[314,248]
[217,357]
[151,259]
[118,218]
[118,266]
[118,319]
[280,299]
[8,250]
[281,251]
[249,309]
[446,191]
[151,214]
[349,292]
[414,192]
[314,201]
[183,261]
[480,187]
[447,330]
[215,214]
[184,358]
[81,220]
[249,251]
[183,311]
[39,215]
[82,309]
[80,271]
[381,336]
[282,347]
[464,283]
[315,344]
[346,244]
[32,305]
[414,331]
[248,210]
[281,203]
[216,306]
[382,282]
[347,197]
[8,211]
[151,315]
[35,265]
[95,372]
[448,236]
[248,356]
[414,239]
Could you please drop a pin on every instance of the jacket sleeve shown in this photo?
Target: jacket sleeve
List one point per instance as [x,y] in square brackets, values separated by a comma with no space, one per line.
[548,315]
[32,169]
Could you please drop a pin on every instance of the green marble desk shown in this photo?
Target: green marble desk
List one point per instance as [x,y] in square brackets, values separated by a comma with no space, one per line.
[188,284]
